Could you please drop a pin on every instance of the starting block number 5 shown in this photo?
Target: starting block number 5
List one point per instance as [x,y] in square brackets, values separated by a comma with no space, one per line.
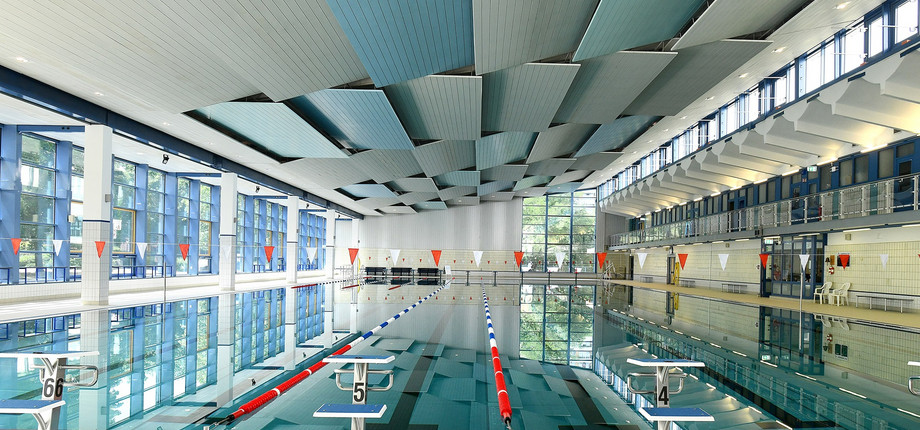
[53,388]
[360,392]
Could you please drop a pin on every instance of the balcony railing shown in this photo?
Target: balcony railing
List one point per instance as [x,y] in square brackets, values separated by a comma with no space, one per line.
[874,198]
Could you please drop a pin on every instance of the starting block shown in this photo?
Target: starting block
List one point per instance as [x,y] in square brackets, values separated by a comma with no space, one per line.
[37,408]
[663,414]
[358,411]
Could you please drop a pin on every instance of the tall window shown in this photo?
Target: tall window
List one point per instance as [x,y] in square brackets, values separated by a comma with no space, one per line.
[183,214]
[312,236]
[905,20]
[204,229]
[76,208]
[156,218]
[557,323]
[241,221]
[124,182]
[559,223]
[37,207]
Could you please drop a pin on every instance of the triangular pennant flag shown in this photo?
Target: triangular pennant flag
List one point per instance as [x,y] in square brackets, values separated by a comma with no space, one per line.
[601,257]
[353,253]
[269,250]
[311,254]
[884,258]
[58,243]
[477,255]
[183,247]
[560,257]
[394,254]
[763,260]
[100,246]
[641,256]
[682,258]
[723,259]
[16,242]
[803,258]
[845,260]
[225,251]
[518,256]
[436,253]
[142,249]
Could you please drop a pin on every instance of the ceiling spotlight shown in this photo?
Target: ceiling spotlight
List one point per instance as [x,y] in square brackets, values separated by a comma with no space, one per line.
[165,158]
[744,75]
[22,60]
[780,49]
[710,97]
[683,117]
[165,123]
[98,94]
[842,5]
[258,188]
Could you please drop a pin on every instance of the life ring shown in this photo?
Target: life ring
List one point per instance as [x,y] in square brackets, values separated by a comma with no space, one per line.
[829,338]
[830,270]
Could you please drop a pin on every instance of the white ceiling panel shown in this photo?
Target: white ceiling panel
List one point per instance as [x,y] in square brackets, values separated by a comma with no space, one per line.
[511,32]
[417,197]
[531,192]
[439,107]
[551,167]
[525,97]
[531,181]
[398,210]
[415,184]
[464,201]
[385,166]
[508,172]
[377,202]
[502,148]
[328,173]
[573,176]
[494,187]
[692,73]
[17,112]
[501,196]
[560,140]
[606,85]
[463,178]
[445,156]
[595,161]
[454,192]
[724,19]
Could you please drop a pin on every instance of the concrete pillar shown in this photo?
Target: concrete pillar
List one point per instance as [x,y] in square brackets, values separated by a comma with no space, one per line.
[293,236]
[290,328]
[97,214]
[94,336]
[227,241]
[330,244]
[226,329]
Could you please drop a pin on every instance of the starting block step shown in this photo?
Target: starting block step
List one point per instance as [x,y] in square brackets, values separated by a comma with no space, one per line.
[13,406]
[330,410]
[675,414]
[660,362]
[368,359]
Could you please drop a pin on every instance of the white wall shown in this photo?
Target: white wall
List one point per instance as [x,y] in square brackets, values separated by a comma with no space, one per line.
[486,227]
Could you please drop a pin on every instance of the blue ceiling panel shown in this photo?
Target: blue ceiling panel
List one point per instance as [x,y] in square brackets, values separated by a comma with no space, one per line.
[531,181]
[399,40]
[503,148]
[624,24]
[274,127]
[493,187]
[617,134]
[363,119]
[565,188]
[369,190]
[463,178]
[430,206]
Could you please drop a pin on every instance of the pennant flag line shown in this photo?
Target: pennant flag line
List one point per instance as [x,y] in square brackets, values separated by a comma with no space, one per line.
[183,247]
[884,258]
[269,250]
[394,254]
[353,253]
[763,260]
[477,255]
[519,256]
[58,243]
[142,249]
[311,254]
[16,242]
[100,246]
[803,258]
[601,257]
[436,253]
[682,258]
[641,256]
[723,259]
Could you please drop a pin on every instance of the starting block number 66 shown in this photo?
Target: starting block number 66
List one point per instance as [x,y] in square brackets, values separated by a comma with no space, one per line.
[53,388]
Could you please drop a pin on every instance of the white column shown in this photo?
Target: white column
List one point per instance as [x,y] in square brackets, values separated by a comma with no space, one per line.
[226,328]
[97,215]
[94,336]
[290,327]
[330,244]
[293,235]
[227,241]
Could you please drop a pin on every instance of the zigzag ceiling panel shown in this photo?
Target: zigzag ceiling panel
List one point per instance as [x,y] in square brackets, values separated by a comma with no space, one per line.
[385,166]
[399,40]
[531,181]
[445,156]
[502,148]
[525,97]
[431,206]
[724,19]
[596,161]
[507,172]
[440,107]
[616,134]
[551,167]
[415,184]
[560,140]
[512,32]
[493,187]
[465,178]
[362,119]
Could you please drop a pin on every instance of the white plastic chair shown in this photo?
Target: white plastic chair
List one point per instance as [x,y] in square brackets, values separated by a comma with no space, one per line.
[840,294]
[822,292]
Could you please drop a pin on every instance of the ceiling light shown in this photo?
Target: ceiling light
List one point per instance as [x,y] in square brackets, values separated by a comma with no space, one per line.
[737,188]
[634,152]
[742,240]
[909,412]
[98,94]
[683,117]
[855,230]
[827,161]
[761,181]
[791,172]
[714,195]
[22,60]
[851,392]
[842,5]
[911,225]
[698,199]
[165,123]
[873,148]
[780,49]
[743,75]
[666,129]
[710,97]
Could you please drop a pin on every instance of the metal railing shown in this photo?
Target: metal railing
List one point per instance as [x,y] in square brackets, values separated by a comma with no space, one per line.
[874,198]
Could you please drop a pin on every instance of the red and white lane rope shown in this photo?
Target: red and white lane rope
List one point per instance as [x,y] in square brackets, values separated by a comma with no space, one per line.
[267,396]
[504,405]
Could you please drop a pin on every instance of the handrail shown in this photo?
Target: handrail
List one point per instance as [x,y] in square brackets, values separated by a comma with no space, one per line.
[873,198]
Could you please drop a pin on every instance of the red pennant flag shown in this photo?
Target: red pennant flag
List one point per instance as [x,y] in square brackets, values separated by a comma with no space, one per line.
[353,253]
[16,242]
[601,257]
[518,256]
[683,260]
[845,260]
[183,247]
[436,253]
[763,260]
[100,246]
[269,250]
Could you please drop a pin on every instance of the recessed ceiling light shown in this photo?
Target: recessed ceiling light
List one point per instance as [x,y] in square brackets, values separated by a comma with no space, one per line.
[666,129]
[780,49]
[139,153]
[683,117]
[743,75]
[98,94]
[710,98]
[634,152]
[842,5]
[22,59]
[165,123]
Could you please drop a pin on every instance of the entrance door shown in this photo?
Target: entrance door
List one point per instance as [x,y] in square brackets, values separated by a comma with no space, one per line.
[671,277]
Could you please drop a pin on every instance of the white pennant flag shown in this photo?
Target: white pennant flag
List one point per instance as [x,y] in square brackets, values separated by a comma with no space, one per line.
[723,258]
[884,258]
[803,258]
[142,249]
[642,256]
[560,257]
[57,245]
[225,251]
[477,255]
[394,254]
[311,254]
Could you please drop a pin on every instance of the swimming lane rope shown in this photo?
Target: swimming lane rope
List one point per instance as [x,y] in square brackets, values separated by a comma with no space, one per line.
[504,405]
